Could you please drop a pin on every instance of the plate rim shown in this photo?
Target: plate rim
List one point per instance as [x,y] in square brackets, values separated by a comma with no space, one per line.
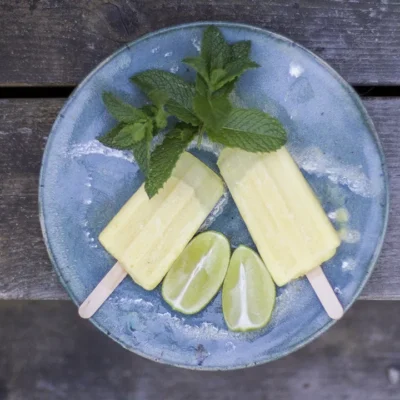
[223,24]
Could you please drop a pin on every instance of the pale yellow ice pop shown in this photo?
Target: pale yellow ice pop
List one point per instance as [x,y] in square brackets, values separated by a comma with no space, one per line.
[285,219]
[147,235]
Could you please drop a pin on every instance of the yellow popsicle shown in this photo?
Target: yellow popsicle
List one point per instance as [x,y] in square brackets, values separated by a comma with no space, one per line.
[147,235]
[285,219]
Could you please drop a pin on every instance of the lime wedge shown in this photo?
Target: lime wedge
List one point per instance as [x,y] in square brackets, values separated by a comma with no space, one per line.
[198,273]
[248,294]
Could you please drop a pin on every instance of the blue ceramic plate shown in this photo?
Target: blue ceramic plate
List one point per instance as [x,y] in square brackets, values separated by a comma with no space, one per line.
[83,185]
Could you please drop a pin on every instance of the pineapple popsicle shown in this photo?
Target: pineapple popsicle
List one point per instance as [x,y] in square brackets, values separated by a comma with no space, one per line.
[285,219]
[147,235]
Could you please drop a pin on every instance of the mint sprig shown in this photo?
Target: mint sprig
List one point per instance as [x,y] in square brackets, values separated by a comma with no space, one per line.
[108,138]
[140,148]
[220,63]
[203,106]
[141,152]
[214,48]
[166,155]
[129,135]
[121,111]
[251,130]
[241,50]
[178,93]
[213,111]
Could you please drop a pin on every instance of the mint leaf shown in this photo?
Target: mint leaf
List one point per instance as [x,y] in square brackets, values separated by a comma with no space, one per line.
[120,110]
[166,155]
[129,134]
[179,92]
[158,97]
[251,130]
[240,50]
[216,76]
[123,140]
[233,70]
[161,119]
[214,49]
[141,149]
[149,110]
[108,138]
[199,65]
[201,85]
[158,115]
[236,68]
[184,114]
[141,152]
[213,111]
[220,63]
[226,89]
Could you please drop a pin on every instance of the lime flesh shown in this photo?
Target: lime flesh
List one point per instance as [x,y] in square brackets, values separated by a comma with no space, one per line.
[248,294]
[198,273]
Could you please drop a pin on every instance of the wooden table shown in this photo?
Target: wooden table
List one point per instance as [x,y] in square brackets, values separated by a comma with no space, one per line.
[48,46]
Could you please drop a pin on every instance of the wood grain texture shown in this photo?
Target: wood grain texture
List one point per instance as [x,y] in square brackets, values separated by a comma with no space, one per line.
[385,280]
[24,267]
[70,359]
[48,353]
[57,42]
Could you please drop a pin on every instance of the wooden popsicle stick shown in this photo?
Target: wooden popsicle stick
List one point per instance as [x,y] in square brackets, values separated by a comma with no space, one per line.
[117,273]
[325,293]
[102,291]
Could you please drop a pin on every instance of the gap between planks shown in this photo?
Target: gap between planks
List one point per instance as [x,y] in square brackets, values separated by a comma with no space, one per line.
[23,92]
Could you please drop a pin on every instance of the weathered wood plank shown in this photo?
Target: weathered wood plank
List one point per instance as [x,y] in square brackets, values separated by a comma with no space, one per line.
[385,280]
[70,359]
[24,267]
[57,42]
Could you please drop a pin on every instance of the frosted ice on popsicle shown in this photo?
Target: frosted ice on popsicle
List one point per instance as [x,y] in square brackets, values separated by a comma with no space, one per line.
[147,235]
[285,219]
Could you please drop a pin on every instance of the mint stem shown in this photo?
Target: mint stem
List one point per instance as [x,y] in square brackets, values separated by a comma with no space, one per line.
[199,136]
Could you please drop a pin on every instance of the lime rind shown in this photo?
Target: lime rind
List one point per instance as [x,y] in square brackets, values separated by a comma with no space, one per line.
[248,293]
[198,273]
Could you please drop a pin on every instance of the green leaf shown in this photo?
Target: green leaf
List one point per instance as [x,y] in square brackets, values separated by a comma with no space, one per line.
[141,152]
[226,89]
[130,134]
[184,114]
[236,68]
[179,92]
[214,49]
[166,155]
[123,140]
[240,50]
[161,118]
[158,97]
[213,111]
[141,149]
[233,70]
[251,130]
[238,64]
[220,63]
[157,114]
[201,86]
[108,138]
[199,65]
[120,110]
[217,75]
[150,110]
